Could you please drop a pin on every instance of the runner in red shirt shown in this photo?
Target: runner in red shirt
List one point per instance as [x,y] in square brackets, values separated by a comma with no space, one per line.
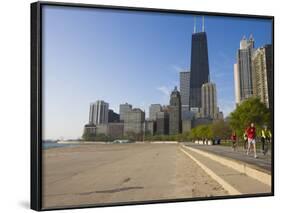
[251,134]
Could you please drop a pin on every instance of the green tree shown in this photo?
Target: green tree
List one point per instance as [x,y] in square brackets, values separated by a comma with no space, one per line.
[201,132]
[88,136]
[249,111]
[221,129]
[194,134]
[183,137]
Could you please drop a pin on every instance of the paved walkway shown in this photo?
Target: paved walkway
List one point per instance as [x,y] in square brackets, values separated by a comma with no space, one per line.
[233,181]
[263,161]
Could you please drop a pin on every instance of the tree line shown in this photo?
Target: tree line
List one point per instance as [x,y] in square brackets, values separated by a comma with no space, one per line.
[249,111]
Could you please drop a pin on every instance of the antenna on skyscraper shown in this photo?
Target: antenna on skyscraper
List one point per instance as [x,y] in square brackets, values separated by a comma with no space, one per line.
[194,29]
[251,37]
[203,24]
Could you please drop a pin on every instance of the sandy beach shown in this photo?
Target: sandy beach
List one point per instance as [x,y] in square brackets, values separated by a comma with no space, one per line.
[112,173]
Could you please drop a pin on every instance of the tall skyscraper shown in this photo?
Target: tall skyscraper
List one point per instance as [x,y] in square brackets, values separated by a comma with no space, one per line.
[262,74]
[184,89]
[175,112]
[237,91]
[243,70]
[98,113]
[123,109]
[199,69]
[153,109]
[209,101]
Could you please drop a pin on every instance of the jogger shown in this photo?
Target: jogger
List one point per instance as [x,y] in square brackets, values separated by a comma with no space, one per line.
[251,134]
[265,139]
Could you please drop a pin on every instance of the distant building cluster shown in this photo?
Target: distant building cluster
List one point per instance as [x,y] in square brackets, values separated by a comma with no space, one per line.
[162,120]
[253,72]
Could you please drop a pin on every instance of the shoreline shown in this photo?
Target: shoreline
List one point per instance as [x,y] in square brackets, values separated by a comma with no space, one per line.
[64,144]
[110,142]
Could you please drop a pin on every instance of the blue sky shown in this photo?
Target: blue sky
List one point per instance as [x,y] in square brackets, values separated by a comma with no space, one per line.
[134,57]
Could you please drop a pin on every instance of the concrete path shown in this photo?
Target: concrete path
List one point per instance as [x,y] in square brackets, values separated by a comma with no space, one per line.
[235,182]
[262,162]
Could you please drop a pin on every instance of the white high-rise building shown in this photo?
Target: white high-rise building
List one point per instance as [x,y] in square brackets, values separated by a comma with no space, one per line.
[243,71]
[262,66]
[236,84]
[98,113]
[209,101]
[123,109]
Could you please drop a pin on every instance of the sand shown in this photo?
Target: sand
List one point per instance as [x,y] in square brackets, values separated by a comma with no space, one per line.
[114,173]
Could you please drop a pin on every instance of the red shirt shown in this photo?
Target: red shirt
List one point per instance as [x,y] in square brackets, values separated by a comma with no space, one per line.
[233,137]
[251,132]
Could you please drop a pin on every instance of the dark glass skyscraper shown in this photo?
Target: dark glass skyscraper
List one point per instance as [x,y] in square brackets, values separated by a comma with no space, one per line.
[199,69]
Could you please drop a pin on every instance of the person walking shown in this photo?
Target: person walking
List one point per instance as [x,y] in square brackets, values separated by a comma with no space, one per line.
[251,134]
[234,141]
[265,139]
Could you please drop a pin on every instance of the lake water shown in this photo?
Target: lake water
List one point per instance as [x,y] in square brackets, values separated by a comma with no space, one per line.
[51,145]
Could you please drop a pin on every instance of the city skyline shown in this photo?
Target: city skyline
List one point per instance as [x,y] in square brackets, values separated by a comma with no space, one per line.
[148,84]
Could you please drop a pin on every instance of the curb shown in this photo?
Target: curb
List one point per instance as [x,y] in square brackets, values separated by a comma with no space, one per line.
[239,166]
[230,189]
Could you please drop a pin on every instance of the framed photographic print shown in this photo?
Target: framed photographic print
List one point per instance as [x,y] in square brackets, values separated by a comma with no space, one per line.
[141,105]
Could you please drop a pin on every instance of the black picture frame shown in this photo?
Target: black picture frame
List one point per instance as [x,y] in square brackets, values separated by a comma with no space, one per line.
[36,100]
